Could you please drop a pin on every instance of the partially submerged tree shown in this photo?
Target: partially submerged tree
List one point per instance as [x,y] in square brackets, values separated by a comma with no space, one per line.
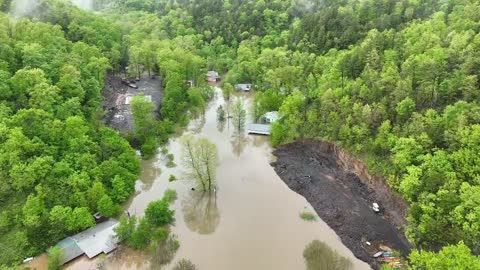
[200,157]
[184,264]
[227,90]
[239,115]
[159,214]
[220,113]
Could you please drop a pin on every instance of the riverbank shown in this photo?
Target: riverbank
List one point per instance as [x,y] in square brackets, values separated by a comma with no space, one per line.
[323,174]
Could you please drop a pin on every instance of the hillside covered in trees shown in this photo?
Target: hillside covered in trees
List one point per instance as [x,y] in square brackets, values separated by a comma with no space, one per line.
[393,81]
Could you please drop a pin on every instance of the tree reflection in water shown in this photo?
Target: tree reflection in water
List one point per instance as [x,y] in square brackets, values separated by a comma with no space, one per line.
[239,141]
[221,125]
[319,256]
[200,212]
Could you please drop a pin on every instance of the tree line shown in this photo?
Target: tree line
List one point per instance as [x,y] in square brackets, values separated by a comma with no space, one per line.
[58,163]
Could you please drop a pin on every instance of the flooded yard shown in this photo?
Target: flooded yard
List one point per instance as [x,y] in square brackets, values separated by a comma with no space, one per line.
[251,221]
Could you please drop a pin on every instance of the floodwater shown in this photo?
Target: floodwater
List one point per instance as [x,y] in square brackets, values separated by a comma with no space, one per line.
[251,221]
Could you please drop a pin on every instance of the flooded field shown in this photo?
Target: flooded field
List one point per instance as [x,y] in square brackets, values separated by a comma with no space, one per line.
[251,221]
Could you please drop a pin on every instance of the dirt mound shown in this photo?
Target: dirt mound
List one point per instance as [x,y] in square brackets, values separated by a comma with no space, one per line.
[341,198]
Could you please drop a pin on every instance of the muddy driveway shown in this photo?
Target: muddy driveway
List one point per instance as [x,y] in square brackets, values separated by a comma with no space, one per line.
[339,197]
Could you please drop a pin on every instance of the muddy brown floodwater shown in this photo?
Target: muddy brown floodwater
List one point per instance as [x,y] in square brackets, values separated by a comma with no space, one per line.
[251,223]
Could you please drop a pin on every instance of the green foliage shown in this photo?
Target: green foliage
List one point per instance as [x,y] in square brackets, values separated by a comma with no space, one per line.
[227,90]
[55,255]
[308,216]
[450,257]
[126,227]
[56,158]
[170,195]
[107,207]
[239,115]
[145,124]
[318,256]
[172,178]
[170,163]
[220,113]
[158,212]
[141,236]
[267,101]
[138,233]
[394,82]
[197,101]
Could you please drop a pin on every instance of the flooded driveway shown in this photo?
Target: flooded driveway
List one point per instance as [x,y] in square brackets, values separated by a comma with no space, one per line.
[251,221]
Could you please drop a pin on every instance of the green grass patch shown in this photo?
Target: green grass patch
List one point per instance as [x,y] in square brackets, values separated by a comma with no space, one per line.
[308,216]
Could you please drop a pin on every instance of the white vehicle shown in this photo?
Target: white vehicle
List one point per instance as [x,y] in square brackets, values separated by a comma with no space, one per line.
[376,207]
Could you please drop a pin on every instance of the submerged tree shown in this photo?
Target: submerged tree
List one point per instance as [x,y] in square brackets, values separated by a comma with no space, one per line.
[227,90]
[319,256]
[220,113]
[200,157]
[184,264]
[239,115]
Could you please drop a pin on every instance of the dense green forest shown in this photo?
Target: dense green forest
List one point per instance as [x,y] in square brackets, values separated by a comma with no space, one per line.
[58,164]
[393,81]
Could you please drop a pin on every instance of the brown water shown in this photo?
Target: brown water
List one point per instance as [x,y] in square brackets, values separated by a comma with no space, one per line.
[252,222]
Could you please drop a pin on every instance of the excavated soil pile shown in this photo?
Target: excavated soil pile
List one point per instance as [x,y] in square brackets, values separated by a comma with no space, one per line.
[341,198]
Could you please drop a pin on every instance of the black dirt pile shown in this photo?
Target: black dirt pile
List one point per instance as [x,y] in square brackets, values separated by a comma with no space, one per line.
[339,197]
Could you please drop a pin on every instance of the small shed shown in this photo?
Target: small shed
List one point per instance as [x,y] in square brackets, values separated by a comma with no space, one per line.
[212,76]
[245,87]
[270,117]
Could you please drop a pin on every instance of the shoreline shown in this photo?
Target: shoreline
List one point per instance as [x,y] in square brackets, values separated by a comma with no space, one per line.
[341,198]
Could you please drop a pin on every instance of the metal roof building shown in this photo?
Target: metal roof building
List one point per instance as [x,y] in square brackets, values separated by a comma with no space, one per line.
[212,76]
[259,129]
[92,242]
[243,87]
[70,249]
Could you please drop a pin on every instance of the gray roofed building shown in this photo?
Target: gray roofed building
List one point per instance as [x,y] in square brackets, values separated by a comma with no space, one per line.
[259,129]
[70,249]
[92,242]
[98,239]
[243,87]
[212,76]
